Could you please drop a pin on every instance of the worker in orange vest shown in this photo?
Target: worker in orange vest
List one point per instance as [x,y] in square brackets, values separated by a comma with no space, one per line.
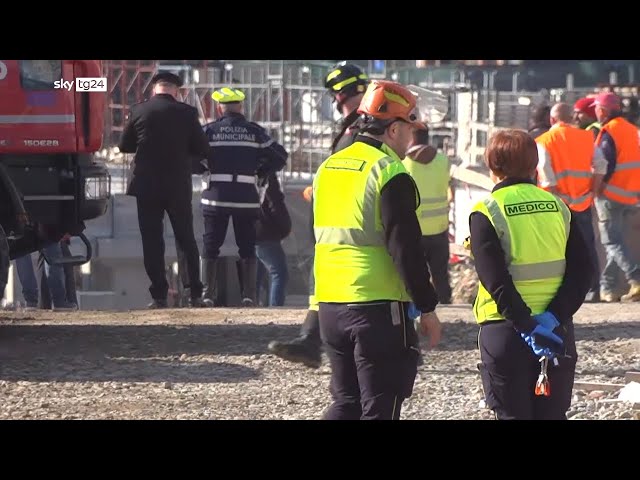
[584,116]
[619,195]
[572,168]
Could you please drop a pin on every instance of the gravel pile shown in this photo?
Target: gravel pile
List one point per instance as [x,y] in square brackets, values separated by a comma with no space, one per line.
[199,364]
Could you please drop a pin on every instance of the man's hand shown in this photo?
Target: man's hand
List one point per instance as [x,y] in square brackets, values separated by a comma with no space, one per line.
[430,327]
[22,218]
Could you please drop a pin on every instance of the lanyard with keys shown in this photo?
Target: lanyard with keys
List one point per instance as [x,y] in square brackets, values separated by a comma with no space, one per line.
[543,387]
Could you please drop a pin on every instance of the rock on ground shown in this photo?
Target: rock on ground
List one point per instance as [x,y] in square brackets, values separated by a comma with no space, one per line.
[464,279]
[213,364]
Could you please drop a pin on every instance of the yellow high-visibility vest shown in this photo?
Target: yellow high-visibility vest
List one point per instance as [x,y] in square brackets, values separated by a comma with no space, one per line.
[533,227]
[432,180]
[351,261]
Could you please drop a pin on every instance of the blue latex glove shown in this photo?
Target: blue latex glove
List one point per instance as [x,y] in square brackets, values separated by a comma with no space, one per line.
[413,311]
[538,340]
[547,319]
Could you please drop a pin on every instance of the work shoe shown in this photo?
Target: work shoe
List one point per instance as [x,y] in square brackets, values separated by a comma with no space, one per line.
[195,303]
[608,297]
[299,350]
[30,307]
[634,293]
[65,307]
[592,297]
[156,304]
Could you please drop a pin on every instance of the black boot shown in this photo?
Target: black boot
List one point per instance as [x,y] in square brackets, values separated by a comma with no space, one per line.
[156,304]
[210,274]
[196,302]
[304,349]
[248,281]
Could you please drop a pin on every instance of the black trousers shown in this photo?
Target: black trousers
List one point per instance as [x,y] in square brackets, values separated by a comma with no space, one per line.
[436,249]
[584,221]
[373,350]
[509,372]
[215,231]
[151,210]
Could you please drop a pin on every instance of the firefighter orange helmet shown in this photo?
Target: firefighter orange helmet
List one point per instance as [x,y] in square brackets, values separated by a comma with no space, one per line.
[390,101]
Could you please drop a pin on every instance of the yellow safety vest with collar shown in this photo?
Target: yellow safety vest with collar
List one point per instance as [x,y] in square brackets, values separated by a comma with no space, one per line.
[351,261]
[533,228]
[594,126]
[432,180]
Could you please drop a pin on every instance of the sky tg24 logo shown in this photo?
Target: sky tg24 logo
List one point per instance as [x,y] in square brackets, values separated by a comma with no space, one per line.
[83,84]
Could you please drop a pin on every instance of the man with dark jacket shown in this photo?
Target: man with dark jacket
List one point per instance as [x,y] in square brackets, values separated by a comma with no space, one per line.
[165,134]
[539,122]
[273,226]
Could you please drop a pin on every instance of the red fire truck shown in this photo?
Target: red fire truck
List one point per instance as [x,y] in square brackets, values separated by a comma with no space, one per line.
[50,183]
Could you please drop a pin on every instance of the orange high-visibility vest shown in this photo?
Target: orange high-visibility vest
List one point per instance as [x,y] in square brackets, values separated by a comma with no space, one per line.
[571,150]
[624,184]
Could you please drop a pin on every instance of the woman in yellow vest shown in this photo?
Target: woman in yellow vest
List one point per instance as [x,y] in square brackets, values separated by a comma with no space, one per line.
[534,271]
[430,170]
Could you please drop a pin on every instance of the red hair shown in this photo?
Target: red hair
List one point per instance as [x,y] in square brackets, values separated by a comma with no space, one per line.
[512,153]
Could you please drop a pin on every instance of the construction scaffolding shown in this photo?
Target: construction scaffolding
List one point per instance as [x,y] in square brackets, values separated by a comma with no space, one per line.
[288,98]
[128,83]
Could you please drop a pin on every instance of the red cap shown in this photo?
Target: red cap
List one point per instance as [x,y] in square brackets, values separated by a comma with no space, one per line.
[585,105]
[607,100]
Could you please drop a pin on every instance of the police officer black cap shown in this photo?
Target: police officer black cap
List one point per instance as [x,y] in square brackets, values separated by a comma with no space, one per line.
[167,77]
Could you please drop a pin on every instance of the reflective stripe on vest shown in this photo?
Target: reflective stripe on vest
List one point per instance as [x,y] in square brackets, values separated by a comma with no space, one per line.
[227,177]
[533,227]
[624,184]
[432,180]
[571,150]
[351,263]
[217,203]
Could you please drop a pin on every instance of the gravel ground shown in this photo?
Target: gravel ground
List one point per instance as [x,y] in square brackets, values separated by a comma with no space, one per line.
[212,364]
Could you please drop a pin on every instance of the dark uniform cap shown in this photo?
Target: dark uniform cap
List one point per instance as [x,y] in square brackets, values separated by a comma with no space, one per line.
[167,77]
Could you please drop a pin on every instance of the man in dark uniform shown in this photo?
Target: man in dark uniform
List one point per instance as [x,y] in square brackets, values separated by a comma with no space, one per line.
[165,134]
[346,84]
[241,154]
